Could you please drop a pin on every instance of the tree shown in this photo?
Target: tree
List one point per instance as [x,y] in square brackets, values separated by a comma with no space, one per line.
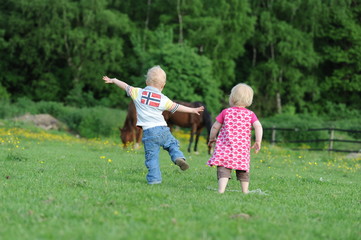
[340,46]
[281,56]
[189,75]
[58,46]
[217,29]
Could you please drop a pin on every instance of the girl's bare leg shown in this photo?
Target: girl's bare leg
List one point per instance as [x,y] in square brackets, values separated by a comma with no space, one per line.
[244,186]
[222,184]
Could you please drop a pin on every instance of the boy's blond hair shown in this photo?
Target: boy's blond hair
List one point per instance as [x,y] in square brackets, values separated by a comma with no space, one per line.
[156,76]
[241,95]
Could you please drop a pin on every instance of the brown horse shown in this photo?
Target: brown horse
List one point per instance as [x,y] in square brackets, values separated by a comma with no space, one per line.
[190,120]
[131,132]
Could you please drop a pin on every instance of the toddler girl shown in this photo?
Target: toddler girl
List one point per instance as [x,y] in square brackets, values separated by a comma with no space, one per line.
[233,144]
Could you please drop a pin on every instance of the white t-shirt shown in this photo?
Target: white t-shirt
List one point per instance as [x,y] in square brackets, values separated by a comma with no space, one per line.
[150,104]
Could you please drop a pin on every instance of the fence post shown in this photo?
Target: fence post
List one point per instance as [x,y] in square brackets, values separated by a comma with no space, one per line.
[332,135]
[273,140]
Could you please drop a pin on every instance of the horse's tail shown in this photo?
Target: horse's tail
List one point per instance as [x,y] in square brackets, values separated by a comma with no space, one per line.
[207,118]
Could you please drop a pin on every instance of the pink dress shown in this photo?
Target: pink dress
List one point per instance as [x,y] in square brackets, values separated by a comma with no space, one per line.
[234,139]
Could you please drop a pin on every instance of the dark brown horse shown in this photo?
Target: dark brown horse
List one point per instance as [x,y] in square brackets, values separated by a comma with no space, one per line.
[190,120]
[130,132]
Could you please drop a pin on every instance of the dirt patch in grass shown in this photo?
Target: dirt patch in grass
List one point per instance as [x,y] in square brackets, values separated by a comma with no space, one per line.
[44,121]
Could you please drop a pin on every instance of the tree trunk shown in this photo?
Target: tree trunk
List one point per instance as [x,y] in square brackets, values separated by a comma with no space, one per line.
[254,58]
[146,24]
[278,96]
[180,19]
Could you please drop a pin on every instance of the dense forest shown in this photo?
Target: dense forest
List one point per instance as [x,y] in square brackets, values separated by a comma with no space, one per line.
[300,56]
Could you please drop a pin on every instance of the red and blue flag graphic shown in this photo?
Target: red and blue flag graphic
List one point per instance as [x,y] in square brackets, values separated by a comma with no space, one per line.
[150,98]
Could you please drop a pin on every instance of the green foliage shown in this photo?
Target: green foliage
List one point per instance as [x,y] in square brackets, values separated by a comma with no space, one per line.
[79,98]
[297,55]
[4,95]
[98,122]
[23,105]
[341,54]
[65,43]
[283,57]
[88,122]
[189,76]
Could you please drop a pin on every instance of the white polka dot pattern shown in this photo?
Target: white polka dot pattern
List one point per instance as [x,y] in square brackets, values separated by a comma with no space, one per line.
[234,140]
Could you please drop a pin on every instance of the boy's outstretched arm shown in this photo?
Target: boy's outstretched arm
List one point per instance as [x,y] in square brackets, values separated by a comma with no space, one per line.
[117,82]
[183,108]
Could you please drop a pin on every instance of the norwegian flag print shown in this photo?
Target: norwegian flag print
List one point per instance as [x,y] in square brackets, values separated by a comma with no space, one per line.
[150,98]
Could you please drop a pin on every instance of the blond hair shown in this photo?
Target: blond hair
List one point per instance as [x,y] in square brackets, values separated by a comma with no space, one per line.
[241,96]
[156,76]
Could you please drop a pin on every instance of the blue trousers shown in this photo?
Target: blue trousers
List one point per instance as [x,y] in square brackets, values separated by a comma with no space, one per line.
[153,139]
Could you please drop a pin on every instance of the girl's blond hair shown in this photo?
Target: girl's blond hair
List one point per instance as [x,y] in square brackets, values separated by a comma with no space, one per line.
[156,76]
[241,95]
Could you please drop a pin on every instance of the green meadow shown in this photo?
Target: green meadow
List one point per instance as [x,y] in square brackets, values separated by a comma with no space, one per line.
[56,186]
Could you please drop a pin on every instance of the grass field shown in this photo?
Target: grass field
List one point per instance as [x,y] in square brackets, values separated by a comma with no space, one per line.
[55,186]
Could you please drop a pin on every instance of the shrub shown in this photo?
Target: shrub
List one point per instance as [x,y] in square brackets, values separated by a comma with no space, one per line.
[5,110]
[24,105]
[53,108]
[4,95]
[300,123]
[87,122]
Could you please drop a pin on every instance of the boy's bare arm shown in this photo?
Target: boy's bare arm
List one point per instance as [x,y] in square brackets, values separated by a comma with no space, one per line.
[185,109]
[117,82]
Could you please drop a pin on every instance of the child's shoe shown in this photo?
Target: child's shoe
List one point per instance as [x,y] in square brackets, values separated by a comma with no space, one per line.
[183,165]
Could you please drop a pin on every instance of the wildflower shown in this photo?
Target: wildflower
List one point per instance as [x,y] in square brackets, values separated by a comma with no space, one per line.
[109,160]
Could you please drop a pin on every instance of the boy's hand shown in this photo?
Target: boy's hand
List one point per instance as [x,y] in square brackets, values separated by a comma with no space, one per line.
[108,80]
[198,110]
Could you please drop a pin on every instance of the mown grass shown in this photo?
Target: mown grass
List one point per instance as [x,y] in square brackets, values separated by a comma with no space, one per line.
[55,186]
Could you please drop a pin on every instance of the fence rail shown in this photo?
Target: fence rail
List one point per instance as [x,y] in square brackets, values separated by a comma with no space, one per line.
[331,138]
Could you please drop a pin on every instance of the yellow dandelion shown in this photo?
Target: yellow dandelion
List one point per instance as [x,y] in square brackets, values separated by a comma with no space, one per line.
[109,160]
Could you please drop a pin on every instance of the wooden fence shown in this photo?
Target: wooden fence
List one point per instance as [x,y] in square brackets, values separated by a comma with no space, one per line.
[331,140]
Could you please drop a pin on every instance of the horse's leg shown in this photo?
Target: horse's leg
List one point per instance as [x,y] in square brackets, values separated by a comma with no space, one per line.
[198,133]
[139,137]
[193,130]
[134,136]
